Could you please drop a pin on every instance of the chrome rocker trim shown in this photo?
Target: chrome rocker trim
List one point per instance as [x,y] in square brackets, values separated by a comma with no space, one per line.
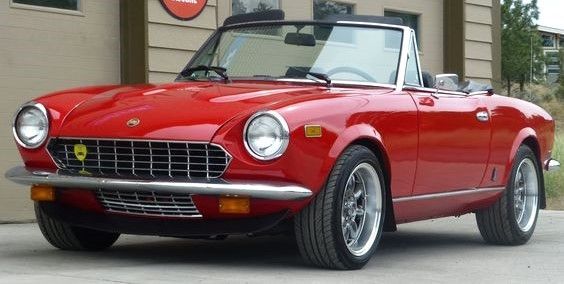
[552,165]
[261,190]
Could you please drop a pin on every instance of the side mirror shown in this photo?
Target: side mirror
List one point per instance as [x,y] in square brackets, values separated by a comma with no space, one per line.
[446,82]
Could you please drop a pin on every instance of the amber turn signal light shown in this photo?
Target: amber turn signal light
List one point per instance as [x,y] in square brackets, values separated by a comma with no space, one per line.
[42,193]
[234,205]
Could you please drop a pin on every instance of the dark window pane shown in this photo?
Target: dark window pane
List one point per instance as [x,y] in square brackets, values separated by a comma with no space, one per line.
[410,20]
[324,8]
[548,40]
[251,6]
[59,4]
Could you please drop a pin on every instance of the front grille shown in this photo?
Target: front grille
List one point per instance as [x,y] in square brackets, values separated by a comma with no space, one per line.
[147,159]
[148,203]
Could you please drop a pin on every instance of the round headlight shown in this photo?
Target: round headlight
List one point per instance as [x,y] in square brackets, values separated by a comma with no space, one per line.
[31,125]
[266,135]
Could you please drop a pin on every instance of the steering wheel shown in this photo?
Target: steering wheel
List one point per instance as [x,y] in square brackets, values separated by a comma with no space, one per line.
[351,70]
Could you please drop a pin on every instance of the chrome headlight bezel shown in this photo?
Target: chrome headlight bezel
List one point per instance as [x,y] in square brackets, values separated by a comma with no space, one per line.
[30,105]
[284,130]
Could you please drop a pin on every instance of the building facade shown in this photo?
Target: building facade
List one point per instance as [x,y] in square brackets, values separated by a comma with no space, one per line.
[51,45]
[552,43]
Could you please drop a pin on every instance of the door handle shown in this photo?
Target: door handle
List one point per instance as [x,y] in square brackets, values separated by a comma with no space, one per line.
[483,116]
[426,101]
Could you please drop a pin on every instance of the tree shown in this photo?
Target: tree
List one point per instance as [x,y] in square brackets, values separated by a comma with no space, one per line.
[518,37]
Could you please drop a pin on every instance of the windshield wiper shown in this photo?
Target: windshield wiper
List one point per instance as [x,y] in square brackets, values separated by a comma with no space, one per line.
[222,72]
[321,76]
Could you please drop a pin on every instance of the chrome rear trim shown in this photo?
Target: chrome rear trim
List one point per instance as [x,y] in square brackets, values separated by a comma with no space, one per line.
[552,165]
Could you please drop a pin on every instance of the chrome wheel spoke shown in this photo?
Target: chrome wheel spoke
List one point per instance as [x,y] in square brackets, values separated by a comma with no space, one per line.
[358,193]
[359,212]
[353,230]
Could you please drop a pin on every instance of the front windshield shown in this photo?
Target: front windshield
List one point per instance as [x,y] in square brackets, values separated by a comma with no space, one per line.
[291,51]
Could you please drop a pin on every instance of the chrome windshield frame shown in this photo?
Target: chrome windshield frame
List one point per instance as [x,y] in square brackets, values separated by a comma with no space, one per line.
[402,64]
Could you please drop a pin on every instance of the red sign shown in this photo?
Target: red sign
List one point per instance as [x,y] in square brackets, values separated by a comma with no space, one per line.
[184,9]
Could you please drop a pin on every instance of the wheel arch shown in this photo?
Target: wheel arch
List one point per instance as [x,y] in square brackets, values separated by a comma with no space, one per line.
[369,137]
[378,149]
[528,137]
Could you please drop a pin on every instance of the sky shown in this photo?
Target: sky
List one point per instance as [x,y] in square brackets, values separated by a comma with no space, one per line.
[551,13]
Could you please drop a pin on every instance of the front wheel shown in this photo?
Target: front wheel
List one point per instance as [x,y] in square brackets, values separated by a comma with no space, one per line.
[67,237]
[342,226]
[512,219]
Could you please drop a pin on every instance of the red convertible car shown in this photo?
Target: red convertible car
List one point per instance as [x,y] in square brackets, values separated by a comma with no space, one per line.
[327,129]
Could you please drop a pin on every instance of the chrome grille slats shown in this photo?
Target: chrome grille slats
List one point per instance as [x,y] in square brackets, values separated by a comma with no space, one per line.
[148,203]
[142,158]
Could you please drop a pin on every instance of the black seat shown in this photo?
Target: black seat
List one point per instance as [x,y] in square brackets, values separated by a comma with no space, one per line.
[297,71]
[428,80]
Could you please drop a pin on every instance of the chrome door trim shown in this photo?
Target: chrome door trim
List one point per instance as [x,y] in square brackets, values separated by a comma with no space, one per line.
[448,194]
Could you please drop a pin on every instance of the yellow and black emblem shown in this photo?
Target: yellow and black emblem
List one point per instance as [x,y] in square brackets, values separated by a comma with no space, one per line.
[80,151]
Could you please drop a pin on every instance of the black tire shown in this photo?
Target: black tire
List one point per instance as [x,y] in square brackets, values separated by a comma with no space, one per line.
[318,227]
[67,237]
[499,224]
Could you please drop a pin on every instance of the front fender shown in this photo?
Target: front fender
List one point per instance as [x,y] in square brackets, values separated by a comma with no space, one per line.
[351,135]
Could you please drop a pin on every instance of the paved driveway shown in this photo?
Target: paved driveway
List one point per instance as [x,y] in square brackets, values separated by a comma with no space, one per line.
[446,250]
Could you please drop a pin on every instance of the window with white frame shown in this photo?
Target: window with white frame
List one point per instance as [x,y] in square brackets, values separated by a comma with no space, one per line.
[71,5]
[409,19]
[251,6]
[324,8]
[548,41]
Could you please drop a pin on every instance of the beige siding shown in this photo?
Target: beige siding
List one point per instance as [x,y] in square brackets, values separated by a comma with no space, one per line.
[479,40]
[43,52]
[173,42]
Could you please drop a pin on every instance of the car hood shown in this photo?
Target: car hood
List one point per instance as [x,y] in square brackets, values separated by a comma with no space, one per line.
[184,111]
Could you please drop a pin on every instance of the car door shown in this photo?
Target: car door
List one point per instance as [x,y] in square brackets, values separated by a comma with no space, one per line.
[454,141]
[454,134]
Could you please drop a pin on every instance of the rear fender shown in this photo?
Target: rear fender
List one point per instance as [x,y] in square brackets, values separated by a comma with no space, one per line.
[517,142]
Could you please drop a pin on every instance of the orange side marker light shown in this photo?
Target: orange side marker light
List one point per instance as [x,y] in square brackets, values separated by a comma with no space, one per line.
[42,193]
[234,205]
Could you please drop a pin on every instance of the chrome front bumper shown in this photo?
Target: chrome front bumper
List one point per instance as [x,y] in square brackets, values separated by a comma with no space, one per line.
[552,165]
[263,190]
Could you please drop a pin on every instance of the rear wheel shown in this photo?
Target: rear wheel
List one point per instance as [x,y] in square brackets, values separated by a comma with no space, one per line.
[342,226]
[67,237]
[512,219]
